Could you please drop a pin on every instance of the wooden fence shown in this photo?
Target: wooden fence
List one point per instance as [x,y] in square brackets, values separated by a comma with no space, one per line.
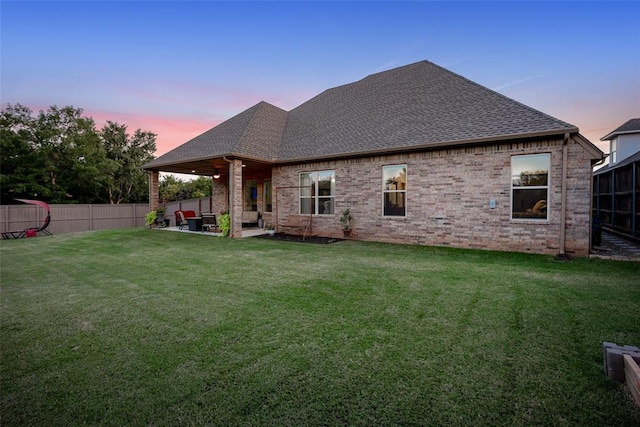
[75,218]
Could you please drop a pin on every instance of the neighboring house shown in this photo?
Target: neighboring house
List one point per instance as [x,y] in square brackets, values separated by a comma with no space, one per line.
[624,141]
[419,155]
[616,186]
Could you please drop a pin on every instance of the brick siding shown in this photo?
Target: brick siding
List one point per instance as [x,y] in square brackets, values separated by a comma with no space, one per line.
[448,194]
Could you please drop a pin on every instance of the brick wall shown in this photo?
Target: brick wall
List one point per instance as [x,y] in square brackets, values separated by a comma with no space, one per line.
[154,185]
[448,194]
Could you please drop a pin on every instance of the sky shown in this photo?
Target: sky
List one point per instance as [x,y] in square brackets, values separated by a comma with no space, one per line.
[179,68]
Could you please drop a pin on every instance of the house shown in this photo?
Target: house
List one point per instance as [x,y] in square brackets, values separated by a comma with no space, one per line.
[616,186]
[624,141]
[419,154]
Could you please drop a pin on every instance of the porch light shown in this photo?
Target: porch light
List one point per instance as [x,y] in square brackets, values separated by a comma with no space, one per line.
[216,174]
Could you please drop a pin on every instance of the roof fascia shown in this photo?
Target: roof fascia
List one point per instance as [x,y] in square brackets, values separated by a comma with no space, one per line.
[613,134]
[229,156]
[431,146]
[591,149]
[595,152]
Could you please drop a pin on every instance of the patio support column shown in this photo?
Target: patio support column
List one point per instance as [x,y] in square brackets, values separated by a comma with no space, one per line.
[154,190]
[235,197]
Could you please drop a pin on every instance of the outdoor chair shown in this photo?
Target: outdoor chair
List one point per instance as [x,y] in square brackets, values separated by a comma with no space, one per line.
[209,222]
[183,221]
[31,231]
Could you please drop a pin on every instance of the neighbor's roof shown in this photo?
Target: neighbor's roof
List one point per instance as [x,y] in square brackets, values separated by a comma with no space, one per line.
[416,106]
[631,159]
[631,126]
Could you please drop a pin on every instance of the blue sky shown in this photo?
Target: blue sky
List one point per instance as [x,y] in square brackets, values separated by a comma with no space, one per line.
[179,68]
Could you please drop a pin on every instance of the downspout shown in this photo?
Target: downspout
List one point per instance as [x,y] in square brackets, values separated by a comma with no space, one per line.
[563,205]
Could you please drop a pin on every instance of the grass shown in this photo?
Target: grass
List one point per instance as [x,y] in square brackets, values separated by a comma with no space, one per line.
[143,327]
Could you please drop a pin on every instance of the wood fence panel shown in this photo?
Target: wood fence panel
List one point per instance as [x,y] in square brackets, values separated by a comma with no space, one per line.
[69,218]
[24,216]
[86,217]
[73,218]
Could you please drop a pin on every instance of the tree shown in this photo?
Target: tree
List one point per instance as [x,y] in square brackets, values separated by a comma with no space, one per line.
[72,155]
[125,181]
[60,157]
[172,188]
[20,162]
[200,187]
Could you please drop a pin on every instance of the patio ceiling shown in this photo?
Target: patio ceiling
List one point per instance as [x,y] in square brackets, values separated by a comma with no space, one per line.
[207,167]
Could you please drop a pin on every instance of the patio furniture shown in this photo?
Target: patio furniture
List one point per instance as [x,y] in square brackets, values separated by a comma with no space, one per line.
[32,231]
[250,218]
[181,218]
[209,222]
[298,224]
[195,223]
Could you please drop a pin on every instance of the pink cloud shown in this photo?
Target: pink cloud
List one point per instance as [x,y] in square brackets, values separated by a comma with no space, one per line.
[171,132]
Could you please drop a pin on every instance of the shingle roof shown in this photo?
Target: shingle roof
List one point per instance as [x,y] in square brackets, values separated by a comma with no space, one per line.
[256,132]
[630,126]
[413,106]
[410,107]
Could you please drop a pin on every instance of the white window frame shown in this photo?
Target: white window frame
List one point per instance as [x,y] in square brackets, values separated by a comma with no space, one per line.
[404,192]
[514,188]
[613,151]
[315,192]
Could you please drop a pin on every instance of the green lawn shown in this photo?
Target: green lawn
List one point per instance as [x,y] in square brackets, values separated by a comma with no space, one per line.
[145,327]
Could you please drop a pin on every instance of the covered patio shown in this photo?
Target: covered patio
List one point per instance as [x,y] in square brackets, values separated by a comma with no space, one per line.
[239,185]
[238,154]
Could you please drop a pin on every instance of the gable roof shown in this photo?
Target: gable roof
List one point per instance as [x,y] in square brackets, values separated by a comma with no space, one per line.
[416,106]
[630,126]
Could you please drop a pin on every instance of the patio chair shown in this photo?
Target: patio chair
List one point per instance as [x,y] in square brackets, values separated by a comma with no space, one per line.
[183,221]
[31,231]
[209,222]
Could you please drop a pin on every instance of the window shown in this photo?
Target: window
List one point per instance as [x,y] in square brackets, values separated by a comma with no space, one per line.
[394,190]
[530,186]
[251,196]
[267,194]
[317,192]
[613,151]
